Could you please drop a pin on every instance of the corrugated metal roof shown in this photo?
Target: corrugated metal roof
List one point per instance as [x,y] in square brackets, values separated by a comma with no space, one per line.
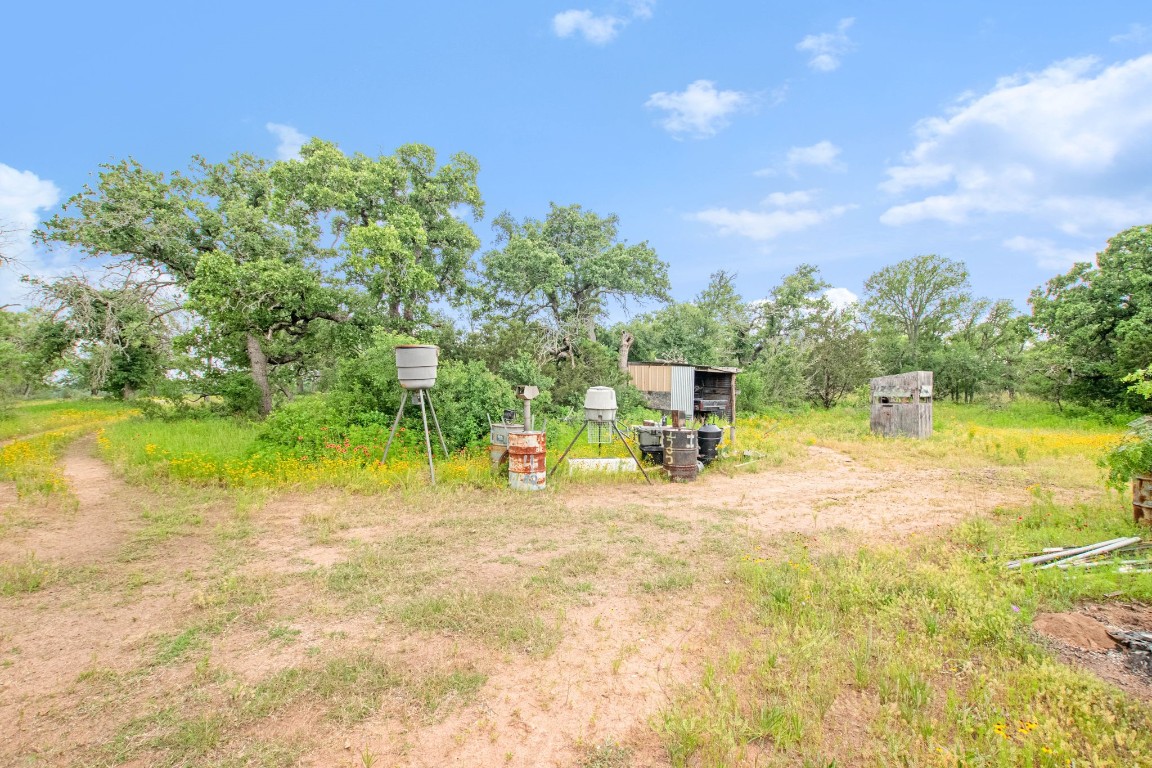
[706,368]
[717,369]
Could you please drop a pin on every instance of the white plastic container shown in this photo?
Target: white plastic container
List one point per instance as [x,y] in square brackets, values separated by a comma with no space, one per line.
[600,404]
[416,365]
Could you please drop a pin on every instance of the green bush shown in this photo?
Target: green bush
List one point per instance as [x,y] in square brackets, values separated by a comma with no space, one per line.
[466,395]
[361,408]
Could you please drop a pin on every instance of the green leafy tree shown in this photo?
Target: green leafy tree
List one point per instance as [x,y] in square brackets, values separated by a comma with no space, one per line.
[122,329]
[567,268]
[916,301]
[397,220]
[246,241]
[32,345]
[1097,320]
[837,356]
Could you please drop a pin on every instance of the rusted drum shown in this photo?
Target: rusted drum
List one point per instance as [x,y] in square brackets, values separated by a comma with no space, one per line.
[526,455]
[680,454]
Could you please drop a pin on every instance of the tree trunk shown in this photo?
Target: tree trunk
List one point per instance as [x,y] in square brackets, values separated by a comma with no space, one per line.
[626,340]
[258,362]
[592,329]
[127,392]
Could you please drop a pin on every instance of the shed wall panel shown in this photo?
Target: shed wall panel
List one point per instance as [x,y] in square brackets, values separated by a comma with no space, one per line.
[651,378]
[683,384]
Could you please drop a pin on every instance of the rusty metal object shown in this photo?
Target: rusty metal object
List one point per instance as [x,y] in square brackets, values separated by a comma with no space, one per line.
[680,454]
[526,461]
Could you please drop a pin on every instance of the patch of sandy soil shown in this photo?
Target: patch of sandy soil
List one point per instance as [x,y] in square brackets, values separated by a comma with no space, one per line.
[829,491]
[612,672]
[1080,638]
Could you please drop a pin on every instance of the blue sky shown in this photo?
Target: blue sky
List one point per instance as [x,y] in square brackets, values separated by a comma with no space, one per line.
[750,136]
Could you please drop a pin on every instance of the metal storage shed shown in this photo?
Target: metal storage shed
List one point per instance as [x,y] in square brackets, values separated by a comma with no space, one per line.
[694,390]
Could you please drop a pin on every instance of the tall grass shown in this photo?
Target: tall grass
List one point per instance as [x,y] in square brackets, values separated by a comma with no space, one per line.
[227,452]
[31,418]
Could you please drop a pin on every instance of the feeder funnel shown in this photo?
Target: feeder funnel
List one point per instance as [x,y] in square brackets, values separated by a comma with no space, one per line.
[416,365]
[600,405]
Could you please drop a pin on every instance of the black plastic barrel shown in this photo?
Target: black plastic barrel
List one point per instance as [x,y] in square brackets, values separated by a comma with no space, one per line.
[680,453]
[709,437]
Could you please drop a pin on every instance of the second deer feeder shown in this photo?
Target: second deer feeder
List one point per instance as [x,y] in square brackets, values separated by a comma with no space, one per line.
[600,423]
[416,366]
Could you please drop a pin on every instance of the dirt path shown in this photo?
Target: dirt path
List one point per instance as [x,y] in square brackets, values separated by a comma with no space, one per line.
[829,492]
[629,636]
[48,639]
[87,535]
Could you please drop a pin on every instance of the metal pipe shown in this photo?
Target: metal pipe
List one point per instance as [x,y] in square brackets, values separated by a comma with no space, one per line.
[396,423]
[427,437]
[436,421]
[1117,544]
[630,453]
[1056,555]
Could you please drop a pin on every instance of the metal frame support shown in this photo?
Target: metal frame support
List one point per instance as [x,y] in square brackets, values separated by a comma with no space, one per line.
[623,439]
[419,398]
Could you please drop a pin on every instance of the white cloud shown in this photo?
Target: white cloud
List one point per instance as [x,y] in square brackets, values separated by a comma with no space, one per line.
[599,29]
[827,48]
[23,198]
[1048,254]
[1071,145]
[789,199]
[1137,33]
[766,225]
[822,155]
[642,9]
[700,110]
[840,298]
[290,140]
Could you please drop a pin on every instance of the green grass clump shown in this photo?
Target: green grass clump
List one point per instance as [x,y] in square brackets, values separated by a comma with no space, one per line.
[510,619]
[31,418]
[27,575]
[938,635]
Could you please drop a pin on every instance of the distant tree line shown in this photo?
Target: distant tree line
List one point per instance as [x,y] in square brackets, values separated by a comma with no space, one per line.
[248,283]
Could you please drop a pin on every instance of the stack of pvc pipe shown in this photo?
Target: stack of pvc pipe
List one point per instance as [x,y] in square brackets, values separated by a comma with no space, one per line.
[1074,556]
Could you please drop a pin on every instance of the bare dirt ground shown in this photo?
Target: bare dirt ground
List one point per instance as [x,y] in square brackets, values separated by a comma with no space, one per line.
[1081,639]
[186,626]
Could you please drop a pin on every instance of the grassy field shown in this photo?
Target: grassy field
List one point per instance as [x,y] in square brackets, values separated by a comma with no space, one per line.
[228,605]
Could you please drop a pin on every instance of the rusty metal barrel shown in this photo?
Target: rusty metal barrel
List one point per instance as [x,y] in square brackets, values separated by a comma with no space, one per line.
[680,454]
[526,456]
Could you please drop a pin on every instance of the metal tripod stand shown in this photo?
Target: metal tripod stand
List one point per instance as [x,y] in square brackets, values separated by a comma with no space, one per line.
[419,397]
[623,439]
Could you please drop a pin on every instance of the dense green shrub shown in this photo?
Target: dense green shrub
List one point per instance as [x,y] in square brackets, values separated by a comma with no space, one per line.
[466,395]
[361,408]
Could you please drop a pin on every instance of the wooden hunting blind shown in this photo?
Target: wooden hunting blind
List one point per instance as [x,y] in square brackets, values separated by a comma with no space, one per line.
[694,390]
[902,405]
